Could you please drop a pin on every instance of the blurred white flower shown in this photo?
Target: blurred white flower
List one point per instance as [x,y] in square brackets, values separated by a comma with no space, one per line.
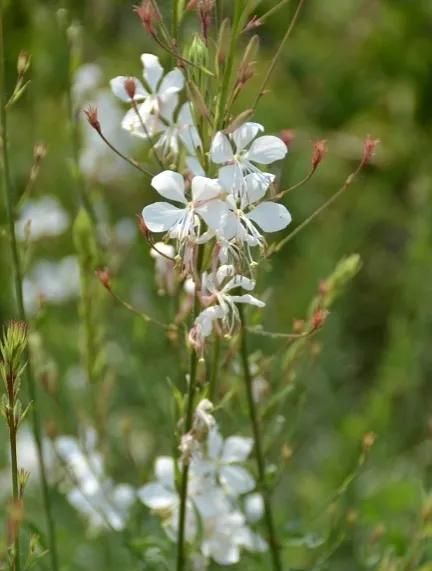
[54,282]
[40,218]
[90,491]
[166,275]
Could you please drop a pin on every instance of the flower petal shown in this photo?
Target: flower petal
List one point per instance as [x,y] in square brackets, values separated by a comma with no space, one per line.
[161,216]
[156,497]
[266,150]
[214,444]
[194,166]
[247,298]
[254,507]
[231,177]
[217,216]
[170,184]
[240,281]
[204,188]
[237,480]
[237,449]
[173,82]
[165,471]
[167,106]
[245,134]
[152,70]
[255,187]
[270,216]
[119,90]
[221,150]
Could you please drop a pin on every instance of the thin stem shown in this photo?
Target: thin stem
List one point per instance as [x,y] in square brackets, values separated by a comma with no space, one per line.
[304,180]
[214,369]
[17,276]
[278,53]
[319,210]
[15,487]
[259,455]
[193,364]
[273,10]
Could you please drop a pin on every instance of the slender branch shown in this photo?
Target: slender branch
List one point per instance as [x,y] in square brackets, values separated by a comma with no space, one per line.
[193,364]
[14,473]
[278,53]
[17,276]
[318,211]
[272,10]
[214,368]
[253,414]
[304,180]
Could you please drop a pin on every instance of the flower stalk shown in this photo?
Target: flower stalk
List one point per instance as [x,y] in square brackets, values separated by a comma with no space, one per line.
[18,287]
[259,452]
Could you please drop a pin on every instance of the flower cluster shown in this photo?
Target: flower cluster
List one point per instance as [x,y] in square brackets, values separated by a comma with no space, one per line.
[89,490]
[221,505]
[214,200]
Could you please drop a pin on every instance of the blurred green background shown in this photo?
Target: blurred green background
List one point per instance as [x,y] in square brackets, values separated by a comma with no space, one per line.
[351,68]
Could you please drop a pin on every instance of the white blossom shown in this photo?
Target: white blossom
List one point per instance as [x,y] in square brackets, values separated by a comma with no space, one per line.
[42,218]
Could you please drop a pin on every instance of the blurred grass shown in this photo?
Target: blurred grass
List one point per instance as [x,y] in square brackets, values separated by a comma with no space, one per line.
[352,68]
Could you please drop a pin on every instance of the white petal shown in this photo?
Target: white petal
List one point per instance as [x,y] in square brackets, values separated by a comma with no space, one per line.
[119,90]
[152,70]
[165,471]
[156,497]
[237,480]
[204,188]
[170,184]
[123,496]
[194,166]
[245,134]
[131,122]
[223,272]
[216,215]
[167,106]
[221,150]
[161,216]
[255,187]
[221,552]
[240,281]
[270,216]
[173,82]
[247,298]
[254,507]
[214,444]
[237,448]
[206,317]
[267,149]
[231,177]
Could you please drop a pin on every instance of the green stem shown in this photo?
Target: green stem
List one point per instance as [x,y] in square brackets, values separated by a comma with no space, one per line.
[17,276]
[259,454]
[193,364]
[14,473]
[215,369]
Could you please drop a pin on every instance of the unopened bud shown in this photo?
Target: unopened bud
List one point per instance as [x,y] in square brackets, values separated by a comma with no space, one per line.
[130,87]
[253,23]
[104,277]
[39,152]
[148,15]
[142,226]
[23,63]
[369,147]
[319,318]
[298,325]
[368,441]
[92,117]
[319,152]
[287,136]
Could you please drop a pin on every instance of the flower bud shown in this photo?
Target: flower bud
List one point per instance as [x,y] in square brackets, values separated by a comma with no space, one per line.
[23,63]
[92,117]
[369,147]
[319,152]
[148,15]
[319,318]
[104,277]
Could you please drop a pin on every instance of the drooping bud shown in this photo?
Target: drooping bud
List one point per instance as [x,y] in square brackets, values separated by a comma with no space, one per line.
[369,147]
[92,117]
[319,318]
[104,277]
[319,152]
[23,63]
[148,15]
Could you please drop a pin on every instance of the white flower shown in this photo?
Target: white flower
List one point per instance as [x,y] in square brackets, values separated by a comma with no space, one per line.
[182,129]
[44,217]
[244,218]
[242,159]
[223,461]
[92,493]
[159,96]
[225,535]
[217,288]
[184,222]
[254,507]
